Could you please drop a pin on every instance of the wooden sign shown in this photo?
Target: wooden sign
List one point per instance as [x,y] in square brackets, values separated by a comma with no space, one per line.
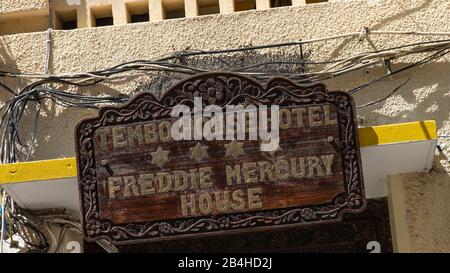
[138,182]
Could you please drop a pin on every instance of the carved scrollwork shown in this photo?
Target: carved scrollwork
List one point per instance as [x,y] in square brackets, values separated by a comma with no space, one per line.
[221,89]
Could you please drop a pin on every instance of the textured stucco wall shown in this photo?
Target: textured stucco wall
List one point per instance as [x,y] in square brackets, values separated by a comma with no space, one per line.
[426,204]
[426,96]
[9,6]
[22,16]
[24,22]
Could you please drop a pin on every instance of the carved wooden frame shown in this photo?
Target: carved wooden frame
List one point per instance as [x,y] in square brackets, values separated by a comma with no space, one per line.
[221,89]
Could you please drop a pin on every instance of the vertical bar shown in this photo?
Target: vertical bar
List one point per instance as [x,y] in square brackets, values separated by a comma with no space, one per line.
[156,10]
[82,17]
[51,14]
[302,60]
[262,4]
[226,6]
[191,8]
[298,2]
[119,12]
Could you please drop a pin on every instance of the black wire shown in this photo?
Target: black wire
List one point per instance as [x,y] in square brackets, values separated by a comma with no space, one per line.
[4,86]
[17,218]
[387,96]
[433,56]
[15,107]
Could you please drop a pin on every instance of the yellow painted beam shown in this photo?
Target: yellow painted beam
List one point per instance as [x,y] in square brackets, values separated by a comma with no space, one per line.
[65,168]
[38,170]
[397,133]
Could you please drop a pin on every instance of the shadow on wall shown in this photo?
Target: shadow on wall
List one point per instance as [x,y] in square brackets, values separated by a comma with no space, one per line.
[56,125]
[384,24]
[7,63]
[425,96]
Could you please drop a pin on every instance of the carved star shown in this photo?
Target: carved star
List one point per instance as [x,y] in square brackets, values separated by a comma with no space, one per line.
[199,152]
[160,157]
[234,149]
[274,151]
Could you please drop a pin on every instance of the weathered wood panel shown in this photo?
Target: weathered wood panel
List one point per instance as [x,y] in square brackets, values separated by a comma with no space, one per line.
[138,183]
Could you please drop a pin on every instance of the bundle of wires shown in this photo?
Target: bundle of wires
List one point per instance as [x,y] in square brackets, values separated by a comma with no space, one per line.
[175,67]
[23,225]
[32,226]
[12,112]
[36,228]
